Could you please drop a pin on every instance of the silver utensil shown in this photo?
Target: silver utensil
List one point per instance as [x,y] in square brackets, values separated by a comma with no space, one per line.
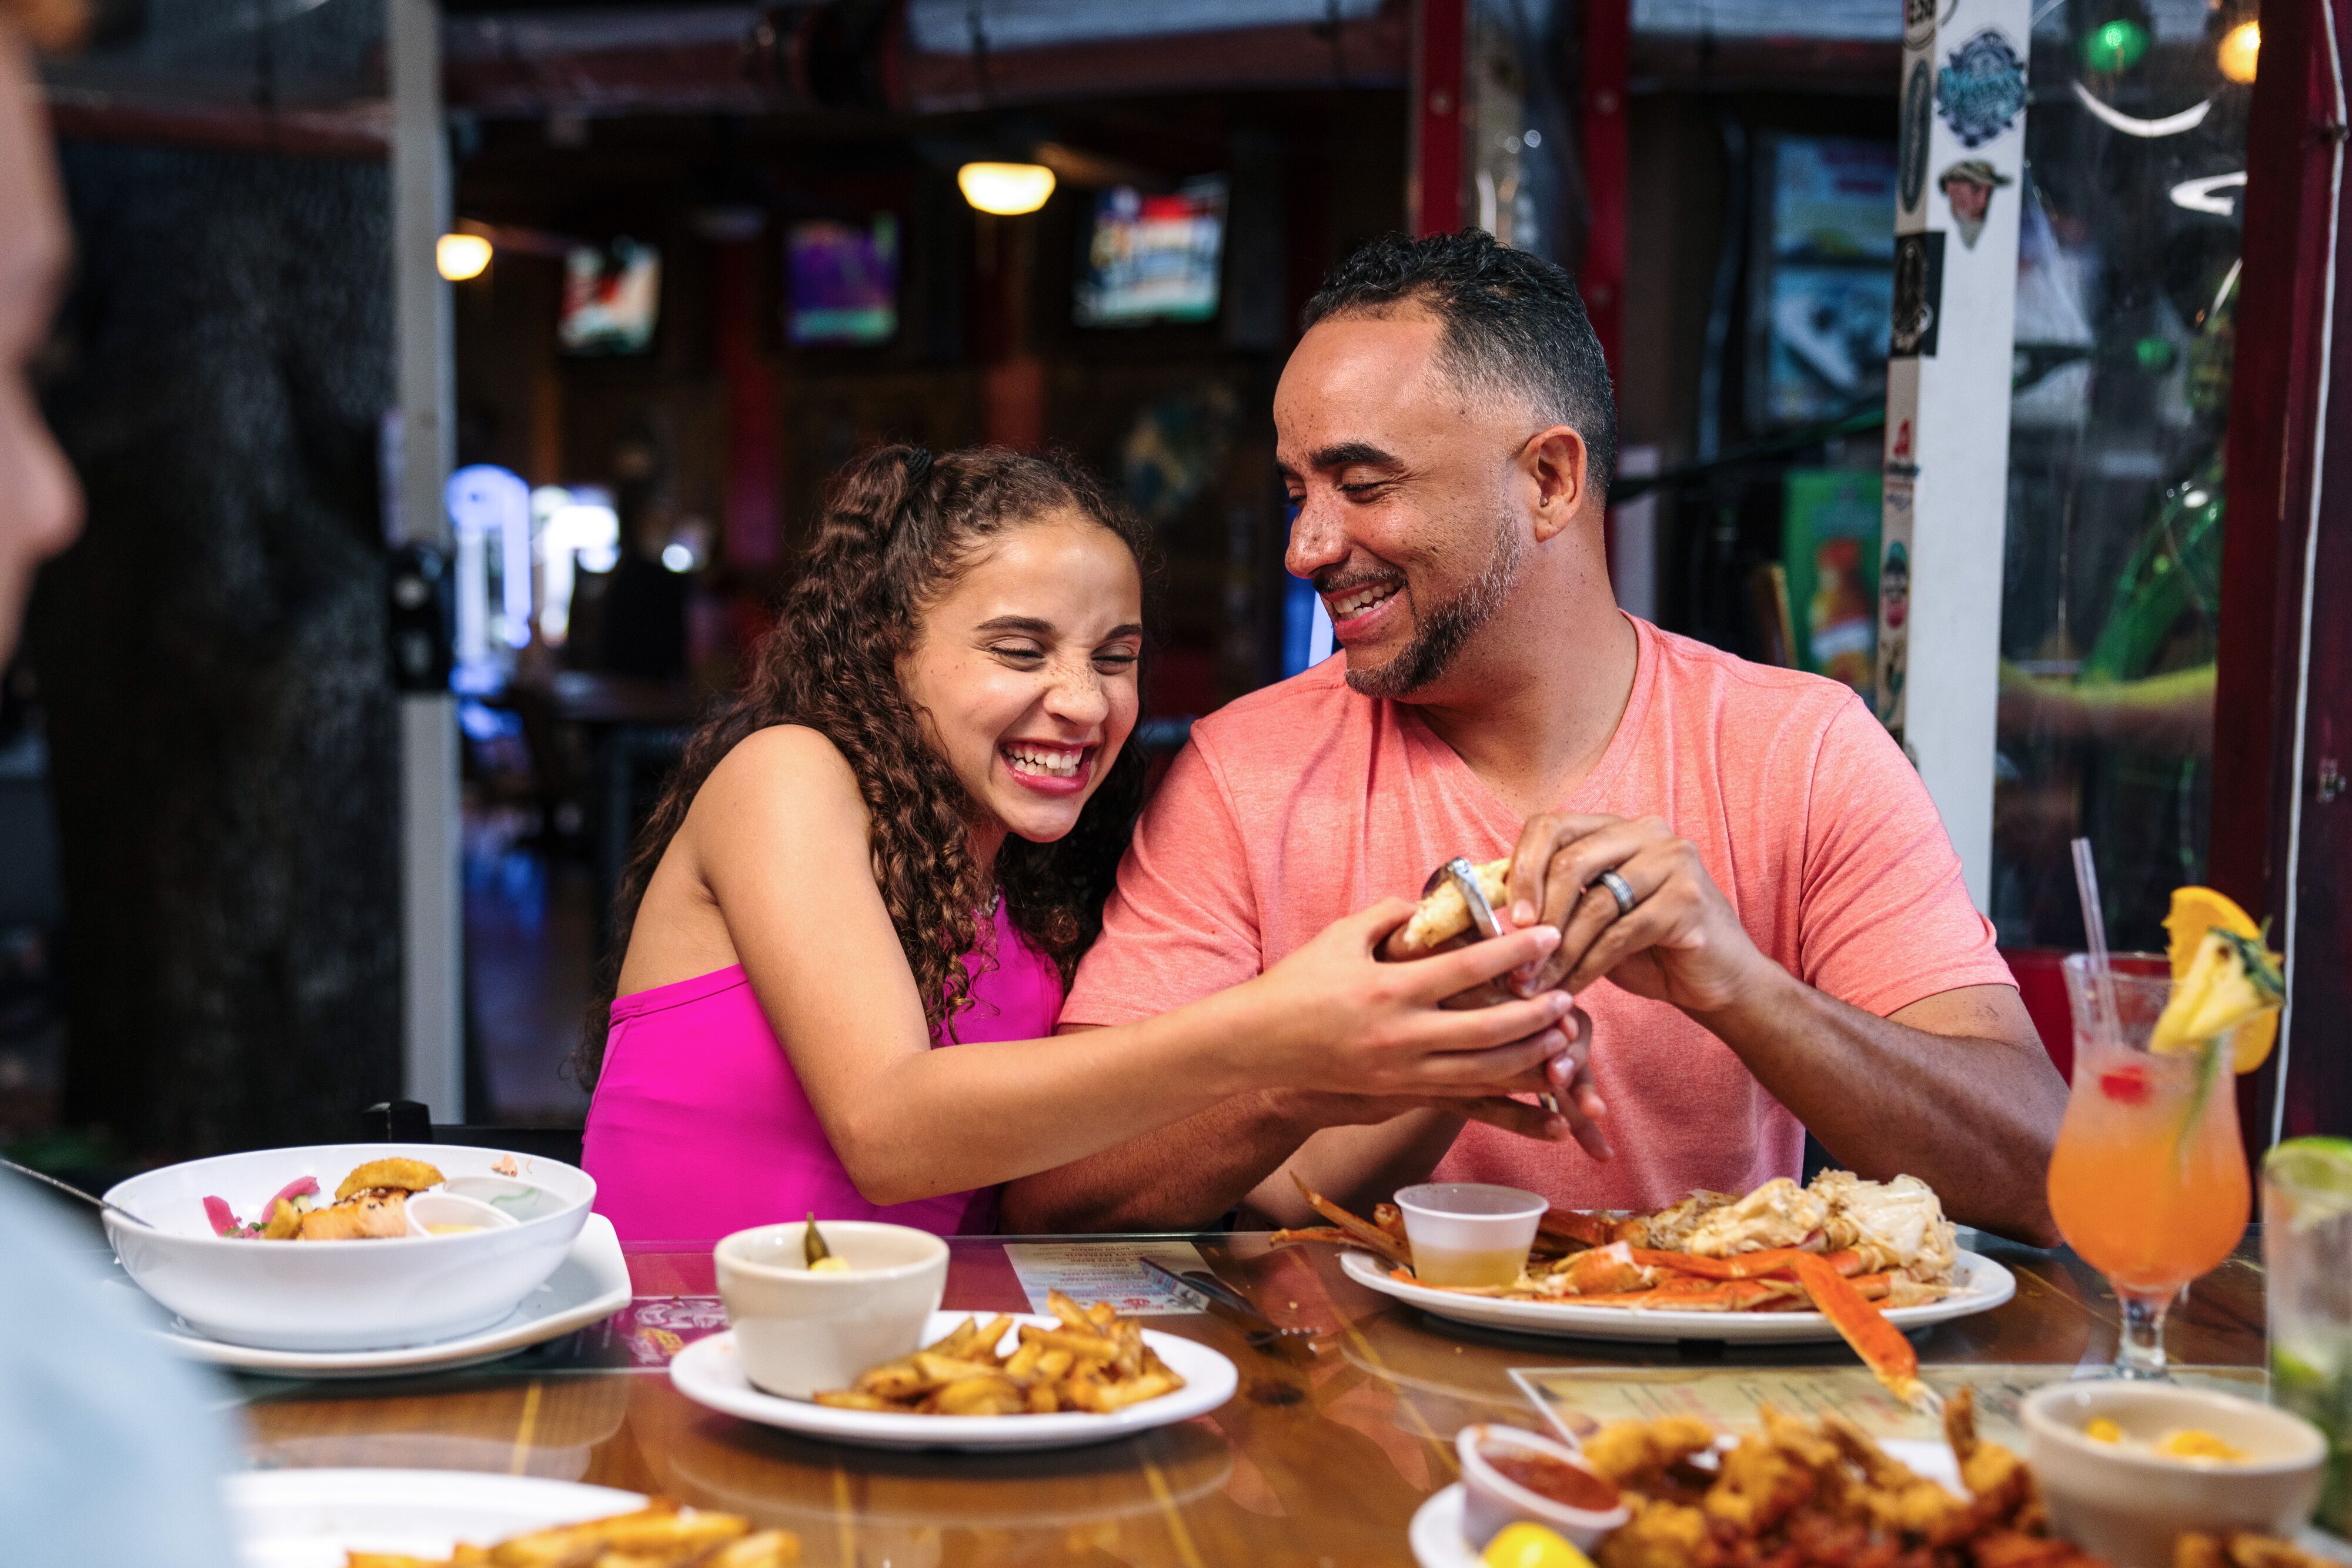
[75,1192]
[1464,878]
[1212,1295]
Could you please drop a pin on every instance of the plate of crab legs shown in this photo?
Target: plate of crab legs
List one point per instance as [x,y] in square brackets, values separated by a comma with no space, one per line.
[1781,1295]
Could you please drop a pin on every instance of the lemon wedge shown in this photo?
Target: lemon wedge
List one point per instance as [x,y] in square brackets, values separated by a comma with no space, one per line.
[2101,1430]
[1525,1545]
[2195,911]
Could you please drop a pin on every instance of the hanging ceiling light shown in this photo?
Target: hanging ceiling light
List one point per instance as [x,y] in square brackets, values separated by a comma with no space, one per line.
[2239,48]
[461,256]
[1006,189]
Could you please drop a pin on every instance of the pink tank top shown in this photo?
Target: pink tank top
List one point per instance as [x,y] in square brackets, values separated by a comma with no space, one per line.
[698,1127]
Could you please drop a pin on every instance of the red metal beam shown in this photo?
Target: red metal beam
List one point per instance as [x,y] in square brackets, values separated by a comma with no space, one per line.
[2290,138]
[754,531]
[1433,194]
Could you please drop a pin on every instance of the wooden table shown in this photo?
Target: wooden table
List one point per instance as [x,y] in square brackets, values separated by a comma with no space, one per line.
[1319,1464]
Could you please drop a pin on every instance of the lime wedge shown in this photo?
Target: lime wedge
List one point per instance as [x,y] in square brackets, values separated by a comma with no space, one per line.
[2316,1169]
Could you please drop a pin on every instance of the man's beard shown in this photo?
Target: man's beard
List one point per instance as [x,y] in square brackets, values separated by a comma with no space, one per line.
[1448,629]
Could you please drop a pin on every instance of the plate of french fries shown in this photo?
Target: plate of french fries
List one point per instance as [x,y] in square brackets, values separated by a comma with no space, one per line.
[455,1519]
[1014,1380]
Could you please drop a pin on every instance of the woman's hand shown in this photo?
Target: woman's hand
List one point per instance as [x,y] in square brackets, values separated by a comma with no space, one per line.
[1335,1018]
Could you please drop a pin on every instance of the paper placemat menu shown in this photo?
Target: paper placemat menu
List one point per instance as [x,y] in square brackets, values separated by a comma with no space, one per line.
[1113,1271]
[1578,1401]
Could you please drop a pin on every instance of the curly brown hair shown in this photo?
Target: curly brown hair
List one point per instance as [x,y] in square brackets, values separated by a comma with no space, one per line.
[53,25]
[898,526]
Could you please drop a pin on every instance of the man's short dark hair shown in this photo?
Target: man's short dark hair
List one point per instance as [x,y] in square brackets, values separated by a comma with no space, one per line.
[1514,324]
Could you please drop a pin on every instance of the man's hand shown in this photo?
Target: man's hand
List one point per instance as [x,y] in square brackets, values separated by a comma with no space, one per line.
[1567,1077]
[1680,943]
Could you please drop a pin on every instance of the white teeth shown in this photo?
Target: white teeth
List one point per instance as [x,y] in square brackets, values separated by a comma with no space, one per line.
[1037,759]
[1363,598]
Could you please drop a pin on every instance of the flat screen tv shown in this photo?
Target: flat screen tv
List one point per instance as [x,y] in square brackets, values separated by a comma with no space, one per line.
[611,299]
[1824,277]
[843,281]
[1153,257]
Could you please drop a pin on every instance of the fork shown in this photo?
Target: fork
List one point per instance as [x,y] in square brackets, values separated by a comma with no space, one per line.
[1214,1295]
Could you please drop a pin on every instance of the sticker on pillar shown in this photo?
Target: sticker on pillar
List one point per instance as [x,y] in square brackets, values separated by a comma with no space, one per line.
[1918,297]
[1918,22]
[1894,633]
[1911,146]
[1967,185]
[1981,91]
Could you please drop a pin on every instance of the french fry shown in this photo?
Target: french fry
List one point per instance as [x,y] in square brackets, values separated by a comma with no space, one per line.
[845,1399]
[768,1548]
[991,1393]
[1090,1359]
[1082,1345]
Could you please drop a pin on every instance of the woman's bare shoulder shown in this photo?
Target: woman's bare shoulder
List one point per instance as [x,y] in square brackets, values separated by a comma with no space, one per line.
[783,767]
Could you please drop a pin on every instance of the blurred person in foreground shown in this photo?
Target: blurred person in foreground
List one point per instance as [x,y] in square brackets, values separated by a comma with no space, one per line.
[1760,910]
[108,1456]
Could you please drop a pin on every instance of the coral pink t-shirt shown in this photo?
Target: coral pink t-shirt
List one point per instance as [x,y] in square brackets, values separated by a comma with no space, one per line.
[1305,801]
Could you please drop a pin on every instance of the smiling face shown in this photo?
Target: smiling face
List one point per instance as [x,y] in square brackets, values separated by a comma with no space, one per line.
[1025,668]
[1408,491]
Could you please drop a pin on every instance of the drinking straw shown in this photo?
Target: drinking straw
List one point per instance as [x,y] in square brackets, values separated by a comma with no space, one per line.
[2094,932]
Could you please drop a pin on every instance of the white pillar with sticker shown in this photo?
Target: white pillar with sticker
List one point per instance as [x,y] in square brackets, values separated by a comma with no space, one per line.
[1960,165]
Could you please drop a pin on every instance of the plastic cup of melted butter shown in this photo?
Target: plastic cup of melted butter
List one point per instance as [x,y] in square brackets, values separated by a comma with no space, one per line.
[1469,1233]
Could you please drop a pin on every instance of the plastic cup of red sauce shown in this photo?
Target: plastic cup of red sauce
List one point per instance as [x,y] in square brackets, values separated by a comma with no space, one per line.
[1508,1475]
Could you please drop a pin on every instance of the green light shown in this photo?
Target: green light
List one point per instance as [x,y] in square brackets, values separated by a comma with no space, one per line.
[2154,354]
[2115,45]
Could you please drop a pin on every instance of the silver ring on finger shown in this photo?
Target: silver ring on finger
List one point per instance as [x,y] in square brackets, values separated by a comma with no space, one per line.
[1618,889]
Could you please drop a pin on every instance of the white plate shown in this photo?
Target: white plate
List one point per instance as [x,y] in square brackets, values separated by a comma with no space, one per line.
[1978,1284]
[1437,1542]
[589,1285]
[709,1372]
[309,1518]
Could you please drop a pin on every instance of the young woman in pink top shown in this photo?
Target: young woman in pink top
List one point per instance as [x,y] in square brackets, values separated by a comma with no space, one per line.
[899,836]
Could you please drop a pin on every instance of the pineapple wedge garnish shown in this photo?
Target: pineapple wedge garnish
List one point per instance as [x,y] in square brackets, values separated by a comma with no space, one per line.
[2232,979]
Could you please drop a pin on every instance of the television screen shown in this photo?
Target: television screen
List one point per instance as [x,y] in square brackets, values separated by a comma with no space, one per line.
[611,299]
[844,281]
[1154,258]
[1824,282]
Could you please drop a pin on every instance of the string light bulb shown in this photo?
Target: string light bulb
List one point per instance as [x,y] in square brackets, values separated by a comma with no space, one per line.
[2239,47]
[1008,190]
[461,256]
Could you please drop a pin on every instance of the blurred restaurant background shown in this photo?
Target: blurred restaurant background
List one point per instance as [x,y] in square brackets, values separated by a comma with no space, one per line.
[452,384]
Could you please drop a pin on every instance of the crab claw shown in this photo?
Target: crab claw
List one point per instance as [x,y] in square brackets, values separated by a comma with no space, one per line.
[1890,1357]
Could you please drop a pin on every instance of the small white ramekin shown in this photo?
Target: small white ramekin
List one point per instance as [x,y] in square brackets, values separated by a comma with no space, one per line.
[1491,1501]
[798,1331]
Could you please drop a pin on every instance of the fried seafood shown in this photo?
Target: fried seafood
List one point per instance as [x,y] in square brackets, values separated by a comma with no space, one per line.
[2240,1550]
[371,1204]
[1798,1494]
[1095,1361]
[659,1535]
[388,1175]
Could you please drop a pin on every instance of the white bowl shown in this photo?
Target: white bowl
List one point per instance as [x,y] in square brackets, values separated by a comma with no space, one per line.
[799,1332]
[2123,1503]
[1491,1501]
[342,1295]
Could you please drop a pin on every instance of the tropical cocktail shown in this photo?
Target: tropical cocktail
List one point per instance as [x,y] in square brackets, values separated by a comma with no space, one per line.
[2149,1180]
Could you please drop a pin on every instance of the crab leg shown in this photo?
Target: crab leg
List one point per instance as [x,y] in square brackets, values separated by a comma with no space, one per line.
[1364,1232]
[1890,1357]
[1744,1265]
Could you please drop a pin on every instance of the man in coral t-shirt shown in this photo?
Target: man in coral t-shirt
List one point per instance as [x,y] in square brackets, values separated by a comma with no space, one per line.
[1762,913]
